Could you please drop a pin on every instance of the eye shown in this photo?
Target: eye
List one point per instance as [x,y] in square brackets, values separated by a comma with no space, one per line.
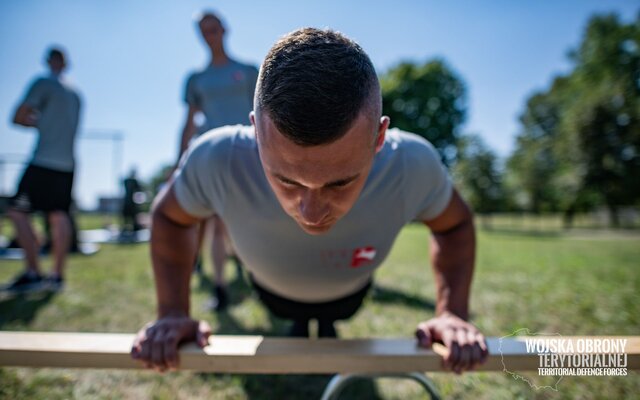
[340,184]
[288,183]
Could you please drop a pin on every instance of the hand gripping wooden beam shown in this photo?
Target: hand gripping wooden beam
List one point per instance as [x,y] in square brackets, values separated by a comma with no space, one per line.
[271,355]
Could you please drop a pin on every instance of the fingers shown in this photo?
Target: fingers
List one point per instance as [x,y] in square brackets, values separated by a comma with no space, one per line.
[475,351]
[170,351]
[449,340]
[464,357]
[467,350]
[423,335]
[158,361]
[484,349]
[136,347]
[203,333]
[146,337]
[466,346]
[156,345]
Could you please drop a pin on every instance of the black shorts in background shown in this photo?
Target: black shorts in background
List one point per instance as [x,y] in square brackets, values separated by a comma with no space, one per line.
[342,308]
[43,189]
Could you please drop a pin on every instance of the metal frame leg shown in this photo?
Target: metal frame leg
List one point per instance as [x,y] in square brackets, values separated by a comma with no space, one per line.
[339,381]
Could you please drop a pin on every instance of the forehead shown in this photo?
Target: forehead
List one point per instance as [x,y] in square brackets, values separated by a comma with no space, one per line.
[345,157]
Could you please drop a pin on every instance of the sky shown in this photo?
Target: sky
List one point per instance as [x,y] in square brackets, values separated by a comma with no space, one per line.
[130,59]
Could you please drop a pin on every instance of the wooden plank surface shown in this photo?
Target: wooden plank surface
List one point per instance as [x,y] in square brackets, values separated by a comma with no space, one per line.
[266,355]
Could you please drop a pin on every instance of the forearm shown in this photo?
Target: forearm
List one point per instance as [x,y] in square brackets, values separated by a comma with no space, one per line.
[185,137]
[25,116]
[453,258]
[188,131]
[173,249]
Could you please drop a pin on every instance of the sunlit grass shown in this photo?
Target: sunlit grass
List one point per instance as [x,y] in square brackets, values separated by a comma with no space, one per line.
[546,282]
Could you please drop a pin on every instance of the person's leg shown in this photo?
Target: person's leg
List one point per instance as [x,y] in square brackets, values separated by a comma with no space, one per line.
[219,258]
[26,238]
[299,313]
[61,240]
[125,222]
[20,208]
[197,263]
[343,308]
[327,329]
[218,250]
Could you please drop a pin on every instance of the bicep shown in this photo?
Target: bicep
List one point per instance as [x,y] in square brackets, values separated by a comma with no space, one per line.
[166,205]
[455,213]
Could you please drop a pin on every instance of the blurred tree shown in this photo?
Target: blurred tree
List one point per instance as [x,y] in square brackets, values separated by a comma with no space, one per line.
[603,121]
[429,100]
[533,163]
[477,176]
[580,140]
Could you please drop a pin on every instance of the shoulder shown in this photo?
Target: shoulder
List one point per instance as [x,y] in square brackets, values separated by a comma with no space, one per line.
[245,66]
[221,142]
[41,82]
[194,75]
[411,148]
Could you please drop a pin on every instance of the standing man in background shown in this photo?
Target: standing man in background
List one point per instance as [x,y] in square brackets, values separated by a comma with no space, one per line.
[52,106]
[223,93]
[130,204]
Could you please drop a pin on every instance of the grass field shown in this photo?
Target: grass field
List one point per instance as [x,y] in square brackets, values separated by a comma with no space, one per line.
[544,280]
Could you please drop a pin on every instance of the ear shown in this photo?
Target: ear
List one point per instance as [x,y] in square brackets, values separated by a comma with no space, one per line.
[382,130]
[254,122]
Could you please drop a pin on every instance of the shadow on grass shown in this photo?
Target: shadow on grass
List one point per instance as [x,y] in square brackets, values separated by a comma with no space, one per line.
[303,387]
[384,294]
[22,308]
[289,386]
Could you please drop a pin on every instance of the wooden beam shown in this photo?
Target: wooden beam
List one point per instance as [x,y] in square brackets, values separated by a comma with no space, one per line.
[266,355]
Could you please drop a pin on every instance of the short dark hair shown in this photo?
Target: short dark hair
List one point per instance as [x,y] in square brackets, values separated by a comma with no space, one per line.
[207,14]
[313,84]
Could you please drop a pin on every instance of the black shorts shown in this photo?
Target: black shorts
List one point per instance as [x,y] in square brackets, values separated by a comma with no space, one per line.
[43,189]
[334,310]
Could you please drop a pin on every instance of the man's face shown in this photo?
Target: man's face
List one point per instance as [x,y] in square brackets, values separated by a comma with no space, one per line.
[318,185]
[56,63]
[212,31]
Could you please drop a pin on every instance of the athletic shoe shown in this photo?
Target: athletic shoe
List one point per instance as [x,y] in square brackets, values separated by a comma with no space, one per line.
[54,283]
[28,281]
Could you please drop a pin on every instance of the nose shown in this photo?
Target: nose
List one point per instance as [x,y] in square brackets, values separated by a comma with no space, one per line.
[313,209]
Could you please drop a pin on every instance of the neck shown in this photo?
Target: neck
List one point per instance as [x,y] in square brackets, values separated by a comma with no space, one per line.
[219,56]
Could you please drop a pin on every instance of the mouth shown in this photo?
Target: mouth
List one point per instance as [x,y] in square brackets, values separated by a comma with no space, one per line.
[316,228]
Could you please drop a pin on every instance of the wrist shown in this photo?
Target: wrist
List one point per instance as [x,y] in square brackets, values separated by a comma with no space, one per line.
[452,314]
[171,313]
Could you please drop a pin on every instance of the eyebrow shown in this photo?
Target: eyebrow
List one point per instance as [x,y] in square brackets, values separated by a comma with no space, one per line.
[336,183]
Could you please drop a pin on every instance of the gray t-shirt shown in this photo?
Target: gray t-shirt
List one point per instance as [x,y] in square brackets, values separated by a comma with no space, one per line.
[59,106]
[223,93]
[221,174]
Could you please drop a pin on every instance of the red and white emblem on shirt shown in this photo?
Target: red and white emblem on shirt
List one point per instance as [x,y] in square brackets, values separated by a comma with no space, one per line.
[362,255]
[238,76]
